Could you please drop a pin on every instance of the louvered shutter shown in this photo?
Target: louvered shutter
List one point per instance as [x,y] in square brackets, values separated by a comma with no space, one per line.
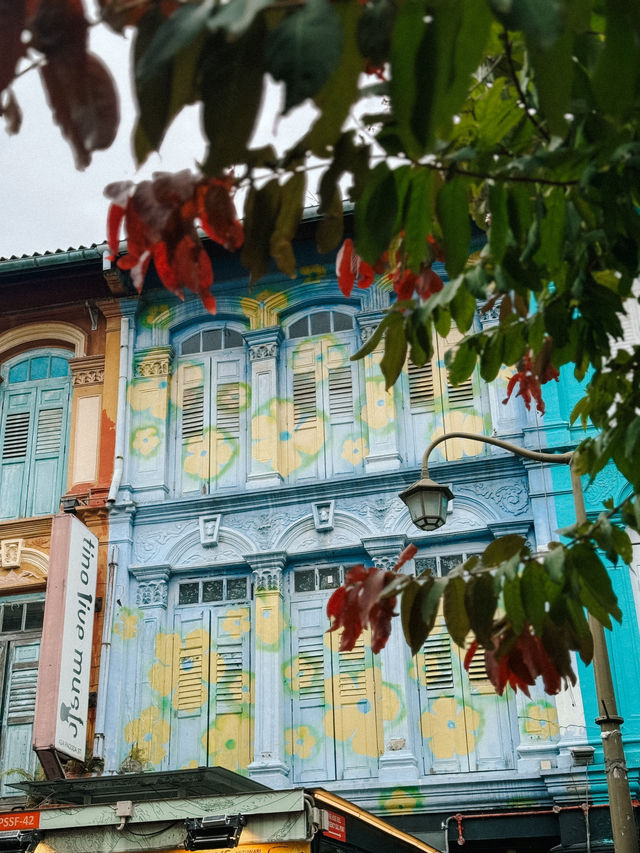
[227,461]
[46,480]
[305,435]
[15,447]
[343,446]
[193,473]
[18,706]
[462,395]
[230,701]
[421,387]
[310,688]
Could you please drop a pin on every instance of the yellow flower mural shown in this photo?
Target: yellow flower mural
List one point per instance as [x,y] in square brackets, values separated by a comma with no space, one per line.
[127,625]
[145,440]
[149,395]
[541,720]
[154,313]
[355,451]
[280,445]
[182,663]
[378,413]
[228,742]
[300,741]
[236,622]
[450,728]
[458,421]
[300,673]
[149,733]
[268,621]
[400,800]
[358,722]
[211,457]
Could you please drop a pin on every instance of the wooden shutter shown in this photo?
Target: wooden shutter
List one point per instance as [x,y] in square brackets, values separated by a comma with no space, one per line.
[193,471]
[19,700]
[458,396]
[343,445]
[227,460]
[340,392]
[18,415]
[421,388]
[46,480]
[304,427]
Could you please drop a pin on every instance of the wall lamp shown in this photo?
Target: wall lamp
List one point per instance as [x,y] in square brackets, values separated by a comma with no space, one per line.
[214,832]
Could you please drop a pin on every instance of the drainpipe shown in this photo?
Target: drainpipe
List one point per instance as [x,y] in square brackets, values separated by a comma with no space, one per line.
[118,463]
[105,653]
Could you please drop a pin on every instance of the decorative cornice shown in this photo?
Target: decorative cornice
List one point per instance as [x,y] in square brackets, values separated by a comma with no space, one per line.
[263,343]
[152,362]
[87,371]
[26,528]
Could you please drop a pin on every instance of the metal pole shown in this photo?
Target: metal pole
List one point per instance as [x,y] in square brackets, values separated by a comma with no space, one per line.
[623,827]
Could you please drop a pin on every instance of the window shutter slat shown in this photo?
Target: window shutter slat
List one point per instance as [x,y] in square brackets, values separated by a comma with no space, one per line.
[48,432]
[229,677]
[352,683]
[340,392]
[193,411]
[228,408]
[304,398]
[438,665]
[421,392]
[311,682]
[190,687]
[16,435]
[22,696]
[460,395]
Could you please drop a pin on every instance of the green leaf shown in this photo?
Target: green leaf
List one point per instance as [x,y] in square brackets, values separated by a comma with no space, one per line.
[374,31]
[290,210]
[621,544]
[502,549]
[596,591]
[481,601]
[513,603]
[395,350]
[175,33]
[463,308]
[304,50]
[541,21]
[406,614]
[581,630]
[453,215]
[231,88]
[331,228]
[236,16]
[463,364]
[369,346]
[375,214]
[554,563]
[552,230]
[492,355]
[532,588]
[340,92]
[422,608]
[455,612]
[405,43]
[418,222]
[260,214]
[499,229]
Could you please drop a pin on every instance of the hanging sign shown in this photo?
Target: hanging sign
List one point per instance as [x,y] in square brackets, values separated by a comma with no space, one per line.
[62,697]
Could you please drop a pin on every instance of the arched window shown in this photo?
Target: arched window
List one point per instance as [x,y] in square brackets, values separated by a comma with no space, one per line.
[212,404]
[322,433]
[36,389]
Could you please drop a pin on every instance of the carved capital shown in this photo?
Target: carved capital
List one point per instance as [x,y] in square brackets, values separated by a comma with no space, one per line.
[267,570]
[87,371]
[153,362]
[153,585]
[261,351]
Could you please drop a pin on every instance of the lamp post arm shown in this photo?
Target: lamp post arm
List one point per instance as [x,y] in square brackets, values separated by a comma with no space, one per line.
[536,455]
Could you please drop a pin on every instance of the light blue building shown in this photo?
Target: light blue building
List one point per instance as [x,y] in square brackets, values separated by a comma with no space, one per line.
[255,464]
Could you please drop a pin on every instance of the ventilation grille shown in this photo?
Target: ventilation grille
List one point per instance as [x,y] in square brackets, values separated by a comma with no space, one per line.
[228,409]
[193,412]
[438,667]
[22,696]
[304,398]
[421,392]
[340,392]
[311,669]
[49,432]
[229,676]
[16,435]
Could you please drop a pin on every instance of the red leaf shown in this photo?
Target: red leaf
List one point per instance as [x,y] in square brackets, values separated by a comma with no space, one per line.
[12,21]
[380,620]
[408,554]
[114,220]
[10,109]
[404,283]
[428,283]
[217,213]
[165,270]
[59,28]
[344,267]
[473,648]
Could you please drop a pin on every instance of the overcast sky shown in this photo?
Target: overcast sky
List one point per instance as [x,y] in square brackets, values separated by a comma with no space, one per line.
[46,203]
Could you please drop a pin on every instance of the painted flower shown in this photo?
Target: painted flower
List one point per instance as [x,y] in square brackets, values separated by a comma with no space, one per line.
[209,458]
[153,314]
[227,741]
[300,741]
[145,440]
[127,625]
[268,622]
[378,412]
[400,800]
[357,722]
[236,622]
[182,663]
[280,445]
[450,728]
[541,720]
[149,732]
[149,395]
[354,451]
[458,421]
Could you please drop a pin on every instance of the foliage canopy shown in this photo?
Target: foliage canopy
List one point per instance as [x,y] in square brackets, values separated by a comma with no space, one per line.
[521,115]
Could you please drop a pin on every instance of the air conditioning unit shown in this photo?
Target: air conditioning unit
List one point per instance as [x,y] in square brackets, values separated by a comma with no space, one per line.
[214,832]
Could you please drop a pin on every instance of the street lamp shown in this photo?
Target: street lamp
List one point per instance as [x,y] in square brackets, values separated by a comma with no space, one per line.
[427,504]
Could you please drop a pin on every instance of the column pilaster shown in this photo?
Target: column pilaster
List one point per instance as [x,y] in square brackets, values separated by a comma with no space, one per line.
[264,345]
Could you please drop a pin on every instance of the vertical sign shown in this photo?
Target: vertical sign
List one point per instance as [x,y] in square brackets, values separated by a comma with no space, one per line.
[62,697]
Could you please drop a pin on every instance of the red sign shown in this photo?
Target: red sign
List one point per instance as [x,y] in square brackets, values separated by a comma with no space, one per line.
[19,820]
[337,827]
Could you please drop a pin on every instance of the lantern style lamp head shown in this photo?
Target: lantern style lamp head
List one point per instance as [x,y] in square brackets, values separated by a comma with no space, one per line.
[427,503]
